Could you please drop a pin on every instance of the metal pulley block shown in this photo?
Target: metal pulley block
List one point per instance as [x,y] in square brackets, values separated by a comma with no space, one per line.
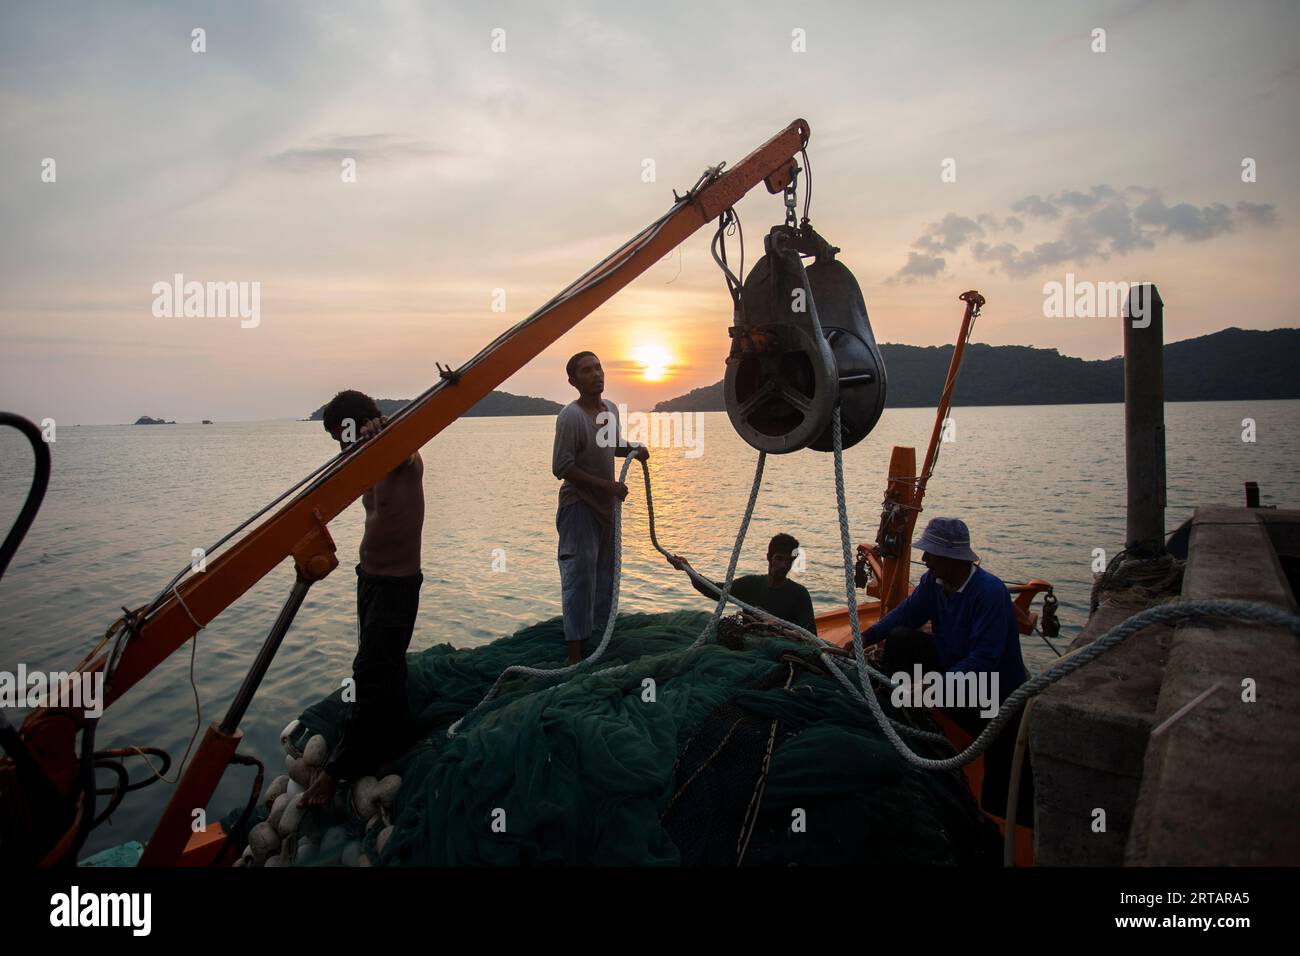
[1049,623]
[783,380]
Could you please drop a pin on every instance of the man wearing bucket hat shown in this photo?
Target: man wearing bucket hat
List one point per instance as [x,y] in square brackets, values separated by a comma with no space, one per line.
[972,630]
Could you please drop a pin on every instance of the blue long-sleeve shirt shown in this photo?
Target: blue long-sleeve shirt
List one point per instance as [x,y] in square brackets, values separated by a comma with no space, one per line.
[974,628]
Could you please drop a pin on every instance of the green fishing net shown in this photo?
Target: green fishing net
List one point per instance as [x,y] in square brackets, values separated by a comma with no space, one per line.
[746,751]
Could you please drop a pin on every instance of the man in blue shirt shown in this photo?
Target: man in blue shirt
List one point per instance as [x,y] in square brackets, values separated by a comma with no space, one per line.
[973,632]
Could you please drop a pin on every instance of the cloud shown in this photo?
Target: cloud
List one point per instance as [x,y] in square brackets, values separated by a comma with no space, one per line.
[1082,202]
[1257,214]
[371,147]
[1010,224]
[1184,219]
[1093,225]
[1035,208]
[948,234]
[919,266]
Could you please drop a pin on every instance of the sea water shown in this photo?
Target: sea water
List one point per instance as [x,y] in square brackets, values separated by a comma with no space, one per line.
[1041,487]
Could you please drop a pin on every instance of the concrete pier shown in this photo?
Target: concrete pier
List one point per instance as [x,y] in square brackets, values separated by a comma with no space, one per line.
[1217,786]
[1222,784]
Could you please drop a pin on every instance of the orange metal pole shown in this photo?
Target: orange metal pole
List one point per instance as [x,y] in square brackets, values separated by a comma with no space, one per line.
[893,586]
[907,486]
[974,302]
[192,793]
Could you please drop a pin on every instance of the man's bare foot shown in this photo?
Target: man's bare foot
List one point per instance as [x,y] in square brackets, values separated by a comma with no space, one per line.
[319,793]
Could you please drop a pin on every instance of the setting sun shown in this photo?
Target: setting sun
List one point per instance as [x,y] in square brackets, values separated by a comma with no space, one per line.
[654,360]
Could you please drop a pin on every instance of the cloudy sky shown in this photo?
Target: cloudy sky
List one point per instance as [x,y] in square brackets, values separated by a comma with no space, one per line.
[479,170]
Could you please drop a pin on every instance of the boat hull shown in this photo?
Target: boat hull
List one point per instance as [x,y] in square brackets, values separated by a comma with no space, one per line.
[836,628]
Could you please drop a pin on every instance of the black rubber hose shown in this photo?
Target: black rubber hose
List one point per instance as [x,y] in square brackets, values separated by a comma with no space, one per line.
[46,794]
[87,774]
[121,753]
[118,793]
[35,494]
[238,830]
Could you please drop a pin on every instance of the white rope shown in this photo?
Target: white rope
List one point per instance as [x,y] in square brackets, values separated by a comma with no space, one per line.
[193,619]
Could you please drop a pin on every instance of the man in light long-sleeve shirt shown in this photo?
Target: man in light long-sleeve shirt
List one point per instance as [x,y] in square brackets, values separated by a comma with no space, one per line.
[972,631]
[587,439]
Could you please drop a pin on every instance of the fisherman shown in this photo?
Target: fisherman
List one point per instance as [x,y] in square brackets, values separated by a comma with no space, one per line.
[972,631]
[378,725]
[588,437]
[774,592]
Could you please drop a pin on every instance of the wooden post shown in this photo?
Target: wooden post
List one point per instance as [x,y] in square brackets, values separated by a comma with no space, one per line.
[1144,421]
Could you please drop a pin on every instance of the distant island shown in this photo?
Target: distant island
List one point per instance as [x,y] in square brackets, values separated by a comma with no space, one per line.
[146,420]
[1232,365]
[492,405]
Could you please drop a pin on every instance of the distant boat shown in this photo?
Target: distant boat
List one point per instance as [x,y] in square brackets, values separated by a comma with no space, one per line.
[207,421]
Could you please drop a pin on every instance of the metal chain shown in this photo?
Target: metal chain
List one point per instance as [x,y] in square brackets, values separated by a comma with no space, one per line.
[791,216]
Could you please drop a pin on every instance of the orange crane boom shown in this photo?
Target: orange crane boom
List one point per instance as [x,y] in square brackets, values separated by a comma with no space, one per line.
[299,530]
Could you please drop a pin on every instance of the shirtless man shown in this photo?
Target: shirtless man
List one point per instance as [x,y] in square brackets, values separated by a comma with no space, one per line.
[388,594]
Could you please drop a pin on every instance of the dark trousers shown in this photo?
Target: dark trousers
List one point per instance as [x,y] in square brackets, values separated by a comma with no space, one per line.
[906,647]
[586,558]
[378,724]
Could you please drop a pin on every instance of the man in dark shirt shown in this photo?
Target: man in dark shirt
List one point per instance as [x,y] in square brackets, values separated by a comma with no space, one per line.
[774,592]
